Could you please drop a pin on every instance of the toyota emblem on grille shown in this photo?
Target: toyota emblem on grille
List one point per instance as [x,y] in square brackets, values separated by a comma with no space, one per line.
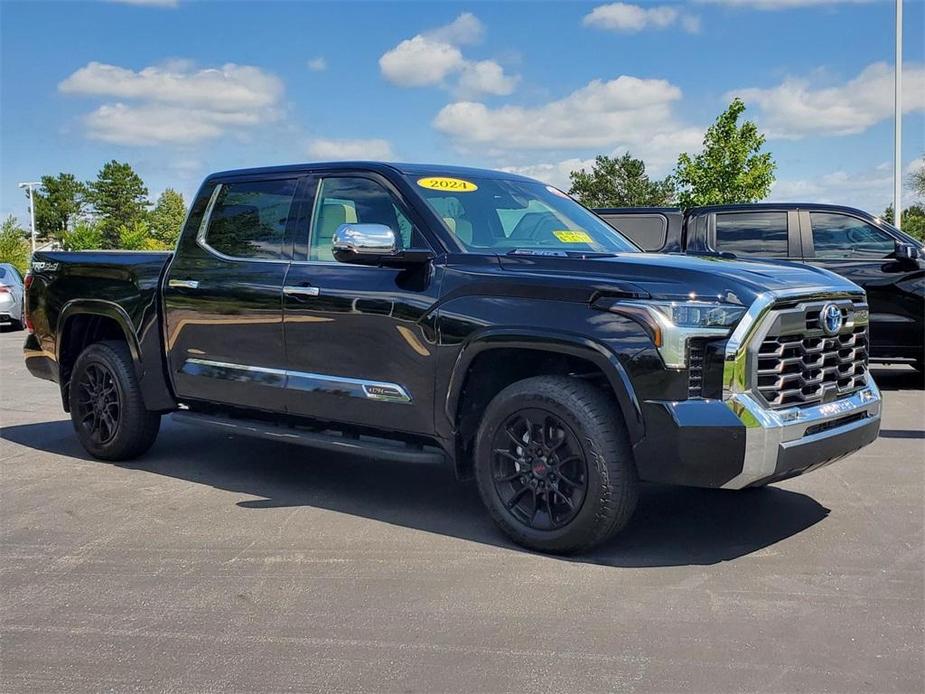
[830,319]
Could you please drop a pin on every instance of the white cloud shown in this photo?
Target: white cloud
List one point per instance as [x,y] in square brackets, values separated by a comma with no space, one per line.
[149,3]
[431,58]
[868,190]
[420,62]
[783,4]
[463,30]
[625,17]
[795,109]
[554,174]
[485,77]
[334,150]
[626,114]
[174,102]
[319,64]
[626,111]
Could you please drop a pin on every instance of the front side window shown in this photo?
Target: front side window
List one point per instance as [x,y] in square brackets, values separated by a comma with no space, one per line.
[841,236]
[248,219]
[761,234]
[494,216]
[351,199]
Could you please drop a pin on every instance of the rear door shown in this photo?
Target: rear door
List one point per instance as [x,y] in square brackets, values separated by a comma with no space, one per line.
[854,248]
[360,339]
[223,293]
[762,234]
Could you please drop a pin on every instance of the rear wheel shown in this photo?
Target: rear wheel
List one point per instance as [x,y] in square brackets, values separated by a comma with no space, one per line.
[107,409]
[554,466]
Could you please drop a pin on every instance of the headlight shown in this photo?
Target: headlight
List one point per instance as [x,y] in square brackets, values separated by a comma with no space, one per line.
[671,324]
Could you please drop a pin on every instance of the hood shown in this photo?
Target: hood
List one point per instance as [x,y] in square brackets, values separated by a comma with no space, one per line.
[671,276]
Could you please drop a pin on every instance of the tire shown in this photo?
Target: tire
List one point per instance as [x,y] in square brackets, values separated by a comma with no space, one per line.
[107,410]
[529,476]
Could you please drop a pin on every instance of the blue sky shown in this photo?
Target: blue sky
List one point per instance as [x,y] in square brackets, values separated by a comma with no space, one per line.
[181,88]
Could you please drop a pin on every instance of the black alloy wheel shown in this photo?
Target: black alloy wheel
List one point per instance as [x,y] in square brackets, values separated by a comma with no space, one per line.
[107,408]
[539,469]
[553,464]
[99,406]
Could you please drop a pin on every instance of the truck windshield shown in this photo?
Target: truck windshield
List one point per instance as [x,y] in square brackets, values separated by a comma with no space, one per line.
[497,216]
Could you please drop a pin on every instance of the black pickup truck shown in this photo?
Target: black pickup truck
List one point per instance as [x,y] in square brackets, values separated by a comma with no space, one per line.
[422,313]
[869,251]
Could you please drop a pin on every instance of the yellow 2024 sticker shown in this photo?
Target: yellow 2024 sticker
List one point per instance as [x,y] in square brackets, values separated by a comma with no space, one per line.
[573,236]
[450,185]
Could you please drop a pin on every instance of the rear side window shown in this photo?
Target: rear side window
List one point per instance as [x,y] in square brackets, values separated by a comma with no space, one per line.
[762,234]
[648,231]
[248,219]
[842,236]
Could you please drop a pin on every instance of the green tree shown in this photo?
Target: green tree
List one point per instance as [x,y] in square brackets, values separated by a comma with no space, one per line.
[620,182]
[731,168]
[913,221]
[167,217]
[58,205]
[14,248]
[137,237]
[917,180]
[119,198]
[85,236]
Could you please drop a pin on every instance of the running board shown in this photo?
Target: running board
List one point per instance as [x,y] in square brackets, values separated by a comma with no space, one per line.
[367,446]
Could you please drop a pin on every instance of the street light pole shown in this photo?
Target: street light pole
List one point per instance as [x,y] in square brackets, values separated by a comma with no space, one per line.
[30,185]
[898,119]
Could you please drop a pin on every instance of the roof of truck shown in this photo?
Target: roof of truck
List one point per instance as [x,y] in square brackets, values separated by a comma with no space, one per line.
[378,166]
[742,207]
[745,207]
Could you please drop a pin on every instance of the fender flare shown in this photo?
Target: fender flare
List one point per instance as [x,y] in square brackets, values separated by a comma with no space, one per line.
[97,307]
[560,342]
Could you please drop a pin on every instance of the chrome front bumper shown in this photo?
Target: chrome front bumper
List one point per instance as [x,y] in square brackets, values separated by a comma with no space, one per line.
[780,443]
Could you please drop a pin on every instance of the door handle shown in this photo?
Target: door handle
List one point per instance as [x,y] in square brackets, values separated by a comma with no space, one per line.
[184,284]
[291,290]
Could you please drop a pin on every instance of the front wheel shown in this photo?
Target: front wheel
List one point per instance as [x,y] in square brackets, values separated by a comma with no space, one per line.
[554,465]
[107,409]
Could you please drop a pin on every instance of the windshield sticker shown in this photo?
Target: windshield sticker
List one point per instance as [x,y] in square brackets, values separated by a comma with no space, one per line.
[451,185]
[568,236]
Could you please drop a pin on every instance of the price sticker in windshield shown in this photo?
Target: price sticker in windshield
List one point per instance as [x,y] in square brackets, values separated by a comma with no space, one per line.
[450,185]
[569,236]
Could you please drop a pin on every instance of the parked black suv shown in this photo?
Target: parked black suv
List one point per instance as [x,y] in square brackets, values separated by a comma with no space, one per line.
[867,250]
[427,313]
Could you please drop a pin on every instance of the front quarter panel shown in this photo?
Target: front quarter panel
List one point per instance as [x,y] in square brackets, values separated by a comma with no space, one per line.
[509,317]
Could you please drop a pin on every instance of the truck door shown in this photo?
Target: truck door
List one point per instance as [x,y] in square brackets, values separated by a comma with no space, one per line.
[359,339]
[223,294]
[858,250]
[765,233]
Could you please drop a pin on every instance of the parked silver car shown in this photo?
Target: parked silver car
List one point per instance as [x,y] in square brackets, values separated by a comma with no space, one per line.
[11,294]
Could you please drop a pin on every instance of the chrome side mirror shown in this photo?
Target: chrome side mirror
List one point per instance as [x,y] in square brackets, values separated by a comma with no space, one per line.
[359,243]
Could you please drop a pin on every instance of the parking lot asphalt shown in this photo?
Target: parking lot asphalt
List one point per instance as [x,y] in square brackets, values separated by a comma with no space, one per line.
[223,564]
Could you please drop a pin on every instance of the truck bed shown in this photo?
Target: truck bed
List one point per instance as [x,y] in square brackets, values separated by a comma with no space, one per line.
[122,285]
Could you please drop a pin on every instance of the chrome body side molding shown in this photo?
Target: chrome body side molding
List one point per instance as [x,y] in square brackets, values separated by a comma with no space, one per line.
[299,380]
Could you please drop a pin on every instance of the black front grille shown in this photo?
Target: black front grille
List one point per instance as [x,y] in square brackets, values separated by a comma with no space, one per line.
[797,369]
[695,372]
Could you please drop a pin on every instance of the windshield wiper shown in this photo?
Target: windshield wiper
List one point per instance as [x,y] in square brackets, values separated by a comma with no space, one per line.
[558,253]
